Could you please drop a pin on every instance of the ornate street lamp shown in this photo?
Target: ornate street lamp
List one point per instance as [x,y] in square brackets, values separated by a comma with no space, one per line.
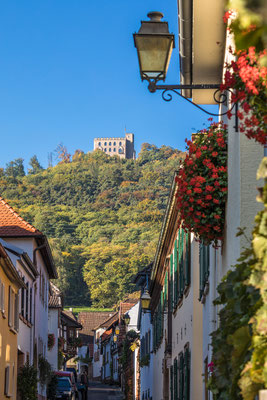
[145,300]
[154,44]
[117,330]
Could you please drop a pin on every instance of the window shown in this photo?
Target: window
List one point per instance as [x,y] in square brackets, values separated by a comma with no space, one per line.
[105,143]
[99,143]
[120,150]
[175,377]
[110,144]
[109,149]
[114,143]
[105,149]
[180,267]
[120,144]
[181,377]
[186,373]
[204,268]
[114,149]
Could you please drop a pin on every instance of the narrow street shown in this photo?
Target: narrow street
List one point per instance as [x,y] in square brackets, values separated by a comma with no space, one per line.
[99,391]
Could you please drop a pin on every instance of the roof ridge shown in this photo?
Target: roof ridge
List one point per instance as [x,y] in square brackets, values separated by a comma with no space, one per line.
[11,210]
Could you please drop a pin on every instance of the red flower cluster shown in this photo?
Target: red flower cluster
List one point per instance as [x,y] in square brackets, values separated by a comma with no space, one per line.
[202,184]
[249,79]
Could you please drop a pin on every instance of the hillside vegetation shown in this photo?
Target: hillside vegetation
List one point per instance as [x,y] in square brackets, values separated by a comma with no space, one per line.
[102,216]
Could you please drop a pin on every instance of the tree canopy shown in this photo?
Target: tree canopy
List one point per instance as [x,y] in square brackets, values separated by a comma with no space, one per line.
[102,216]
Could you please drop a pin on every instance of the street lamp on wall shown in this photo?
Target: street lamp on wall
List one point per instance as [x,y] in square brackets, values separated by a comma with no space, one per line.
[145,301]
[154,44]
[127,319]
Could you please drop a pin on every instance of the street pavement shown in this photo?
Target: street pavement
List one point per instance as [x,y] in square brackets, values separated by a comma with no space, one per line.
[99,391]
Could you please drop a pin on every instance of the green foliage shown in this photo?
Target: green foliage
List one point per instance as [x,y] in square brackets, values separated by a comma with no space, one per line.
[52,387]
[35,165]
[249,26]
[240,343]
[15,169]
[45,371]
[27,382]
[102,216]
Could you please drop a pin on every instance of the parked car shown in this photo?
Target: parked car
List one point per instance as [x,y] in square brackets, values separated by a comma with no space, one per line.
[70,375]
[72,369]
[65,389]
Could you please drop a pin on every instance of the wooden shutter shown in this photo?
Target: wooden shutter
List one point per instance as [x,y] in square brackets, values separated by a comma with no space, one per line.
[187,374]
[27,302]
[161,314]
[181,377]
[175,379]
[165,289]
[201,277]
[181,262]
[1,300]
[10,308]
[31,306]
[16,312]
[175,274]
[7,373]
[187,259]
[171,382]
[171,282]
[22,305]
[207,264]
[3,297]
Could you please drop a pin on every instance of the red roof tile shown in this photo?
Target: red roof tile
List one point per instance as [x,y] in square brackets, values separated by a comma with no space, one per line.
[89,320]
[12,225]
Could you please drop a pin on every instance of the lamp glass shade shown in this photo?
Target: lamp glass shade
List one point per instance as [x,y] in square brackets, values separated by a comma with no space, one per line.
[117,330]
[154,53]
[145,300]
[115,338]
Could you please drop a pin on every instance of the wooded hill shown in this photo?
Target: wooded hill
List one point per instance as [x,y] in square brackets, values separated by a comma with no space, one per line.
[102,216]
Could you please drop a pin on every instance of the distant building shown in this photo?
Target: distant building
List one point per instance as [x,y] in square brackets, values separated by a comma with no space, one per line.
[117,146]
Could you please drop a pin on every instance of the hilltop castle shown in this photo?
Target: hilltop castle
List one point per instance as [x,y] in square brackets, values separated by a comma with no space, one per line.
[119,146]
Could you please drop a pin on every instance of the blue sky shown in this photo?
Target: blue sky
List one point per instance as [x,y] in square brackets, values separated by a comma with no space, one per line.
[69,73]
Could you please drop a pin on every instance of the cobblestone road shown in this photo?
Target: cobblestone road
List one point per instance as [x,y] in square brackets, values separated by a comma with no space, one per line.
[98,391]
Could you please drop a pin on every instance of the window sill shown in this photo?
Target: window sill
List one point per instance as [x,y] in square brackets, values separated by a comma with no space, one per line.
[13,330]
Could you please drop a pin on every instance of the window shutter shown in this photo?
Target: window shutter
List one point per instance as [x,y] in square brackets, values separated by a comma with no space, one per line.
[10,309]
[171,282]
[161,315]
[16,312]
[175,380]
[31,305]
[201,278]
[165,289]
[207,263]
[181,377]
[175,274]
[187,374]
[7,381]
[181,262]
[171,382]
[3,297]
[187,259]
[27,302]
[1,304]
[22,309]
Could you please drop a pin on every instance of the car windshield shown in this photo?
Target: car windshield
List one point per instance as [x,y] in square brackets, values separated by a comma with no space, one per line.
[63,383]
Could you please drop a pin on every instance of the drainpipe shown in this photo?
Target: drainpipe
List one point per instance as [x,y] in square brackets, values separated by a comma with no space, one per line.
[185,23]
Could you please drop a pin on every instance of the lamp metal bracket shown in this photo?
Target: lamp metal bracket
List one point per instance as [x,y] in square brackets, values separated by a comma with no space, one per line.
[220,97]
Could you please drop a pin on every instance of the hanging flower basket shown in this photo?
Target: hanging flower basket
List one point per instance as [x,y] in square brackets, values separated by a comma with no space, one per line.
[51,341]
[202,184]
[248,78]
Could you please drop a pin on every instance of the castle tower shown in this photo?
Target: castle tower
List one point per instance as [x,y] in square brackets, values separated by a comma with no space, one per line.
[122,147]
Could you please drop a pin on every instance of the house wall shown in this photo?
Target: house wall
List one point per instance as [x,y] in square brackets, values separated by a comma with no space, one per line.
[52,354]
[157,371]
[133,313]
[41,308]
[8,344]
[146,372]
[97,364]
